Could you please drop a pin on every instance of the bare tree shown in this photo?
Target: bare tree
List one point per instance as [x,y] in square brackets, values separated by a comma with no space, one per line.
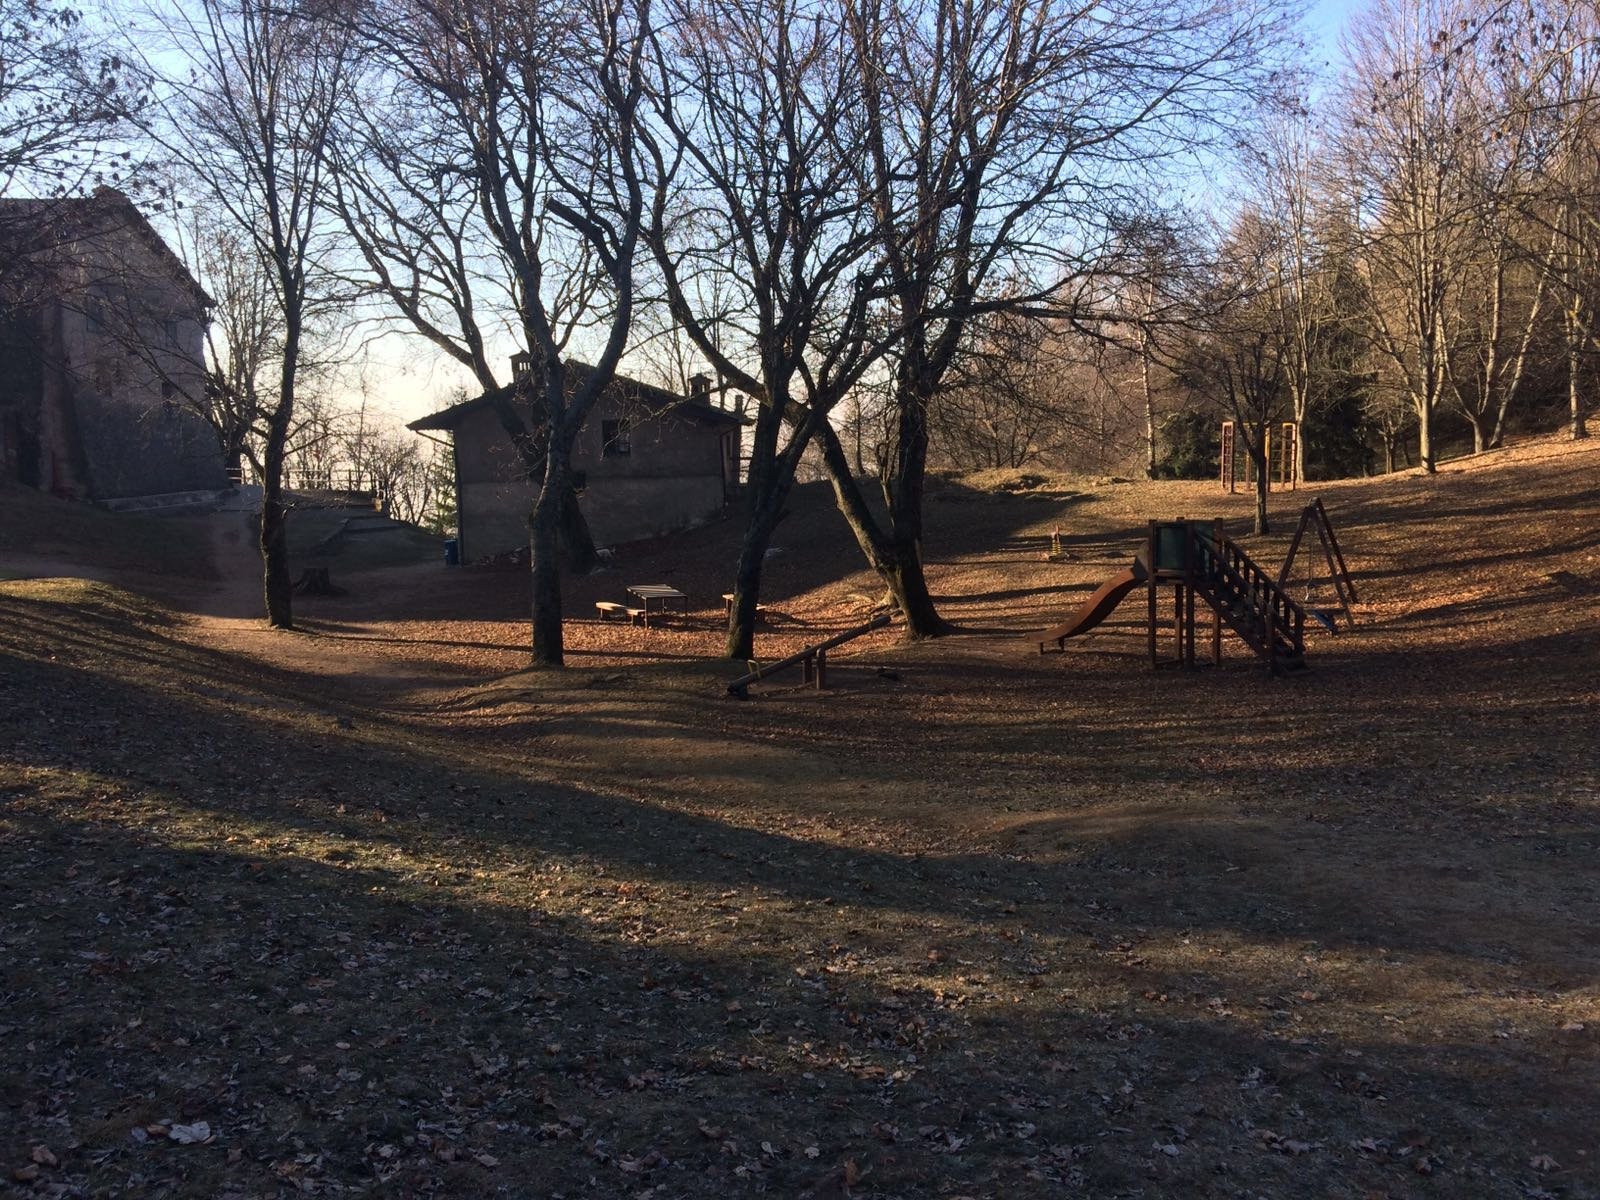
[1239,353]
[1285,162]
[63,96]
[491,181]
[1504,285]
[1157,287]
[762,242]
[1561,103]
[1403,146]
[1031,390]
[392,464]
[1001,404]
[1004,138]
[247,113]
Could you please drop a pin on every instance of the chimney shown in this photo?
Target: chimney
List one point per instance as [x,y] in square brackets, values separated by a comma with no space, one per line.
[521,367]
[700,388]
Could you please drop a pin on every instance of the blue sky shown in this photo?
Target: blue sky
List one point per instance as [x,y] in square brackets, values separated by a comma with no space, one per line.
[1325,21]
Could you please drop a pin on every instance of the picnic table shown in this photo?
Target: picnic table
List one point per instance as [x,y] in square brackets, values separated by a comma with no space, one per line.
[658,597]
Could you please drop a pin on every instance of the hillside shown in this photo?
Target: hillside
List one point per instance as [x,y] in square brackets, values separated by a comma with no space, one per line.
[386,913]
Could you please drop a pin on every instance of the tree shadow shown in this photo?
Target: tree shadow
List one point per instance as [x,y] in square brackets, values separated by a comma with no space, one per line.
[500,952]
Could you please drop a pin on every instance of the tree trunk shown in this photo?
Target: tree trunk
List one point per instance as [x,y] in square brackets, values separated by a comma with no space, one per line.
[1425,437]
[277,587]
[770,477]
[758,530]
[276,584]
[1480,438]
[1149,414]
[1300,406]
[545,524]
[1263,482]
[904,487]
[1579,426]
[894,554]
[1388,453]
[576,539]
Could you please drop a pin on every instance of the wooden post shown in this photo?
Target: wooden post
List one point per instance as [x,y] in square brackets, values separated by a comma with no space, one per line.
[1178,623]
[1226,456]
[1150,559]
[1294,543]
[1338,555]
[1343,585]
[1216,616]
[821,669]
[1188,626]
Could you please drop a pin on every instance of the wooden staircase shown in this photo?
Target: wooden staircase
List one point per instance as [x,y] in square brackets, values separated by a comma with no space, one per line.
[1248,599]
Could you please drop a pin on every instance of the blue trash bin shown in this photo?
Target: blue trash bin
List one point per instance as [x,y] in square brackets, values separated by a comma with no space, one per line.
[452,552]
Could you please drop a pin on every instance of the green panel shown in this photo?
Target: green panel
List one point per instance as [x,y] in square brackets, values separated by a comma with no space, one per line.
[1170,539]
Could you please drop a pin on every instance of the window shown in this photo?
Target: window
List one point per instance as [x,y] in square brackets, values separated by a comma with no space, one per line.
[614,439]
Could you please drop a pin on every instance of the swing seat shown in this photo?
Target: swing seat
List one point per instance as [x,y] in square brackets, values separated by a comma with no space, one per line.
[1324,618]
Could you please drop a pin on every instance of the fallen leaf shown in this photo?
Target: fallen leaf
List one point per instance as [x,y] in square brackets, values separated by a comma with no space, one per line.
[190,1135]
[43,1156]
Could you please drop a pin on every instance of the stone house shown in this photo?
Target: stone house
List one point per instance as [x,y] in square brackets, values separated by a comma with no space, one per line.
[102,337]
[646,462]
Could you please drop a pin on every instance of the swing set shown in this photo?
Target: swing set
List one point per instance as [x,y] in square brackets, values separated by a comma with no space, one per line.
[1315,517]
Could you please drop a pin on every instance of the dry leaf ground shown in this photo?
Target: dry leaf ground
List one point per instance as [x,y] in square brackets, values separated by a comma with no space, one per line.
[361,910]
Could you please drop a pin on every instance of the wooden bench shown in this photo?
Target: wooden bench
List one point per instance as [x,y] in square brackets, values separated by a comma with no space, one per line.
[610,610]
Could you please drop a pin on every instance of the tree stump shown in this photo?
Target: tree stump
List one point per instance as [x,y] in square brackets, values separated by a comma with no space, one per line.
[314,581]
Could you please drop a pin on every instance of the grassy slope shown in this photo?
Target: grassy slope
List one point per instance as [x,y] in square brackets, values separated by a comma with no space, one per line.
[985,925]
[38,526]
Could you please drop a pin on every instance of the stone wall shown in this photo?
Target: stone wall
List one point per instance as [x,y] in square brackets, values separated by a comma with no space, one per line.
[104,369]
[672,478]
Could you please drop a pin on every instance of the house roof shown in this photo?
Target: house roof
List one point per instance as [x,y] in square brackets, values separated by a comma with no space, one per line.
[659,401]
[40,226]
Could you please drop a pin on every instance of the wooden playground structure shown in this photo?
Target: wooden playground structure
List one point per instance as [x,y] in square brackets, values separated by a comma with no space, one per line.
[1196,560]
[1282,458]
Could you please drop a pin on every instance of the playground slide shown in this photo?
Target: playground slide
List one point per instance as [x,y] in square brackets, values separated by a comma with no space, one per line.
[1097,607]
